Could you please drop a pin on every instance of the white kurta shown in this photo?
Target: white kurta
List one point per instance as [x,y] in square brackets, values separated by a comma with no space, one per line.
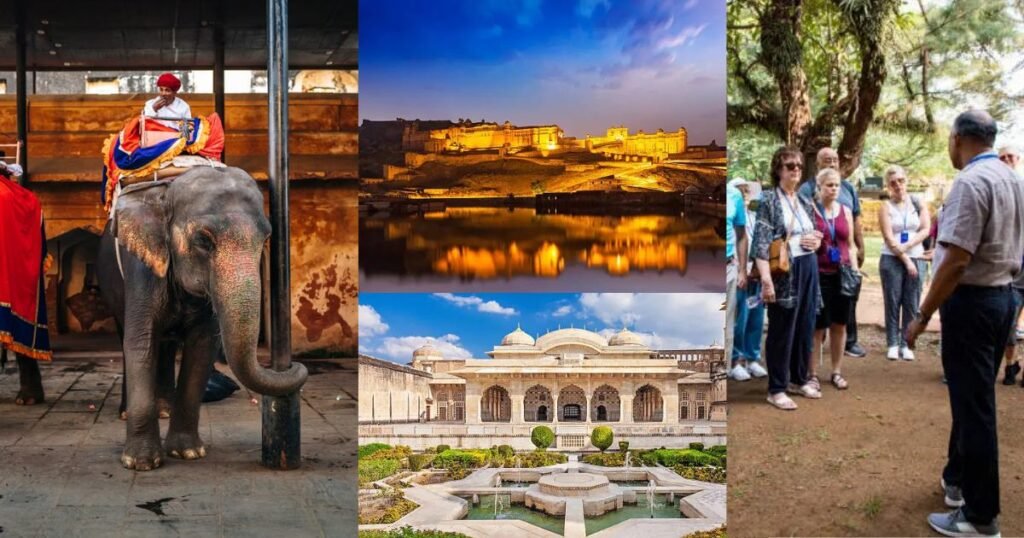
[177,109]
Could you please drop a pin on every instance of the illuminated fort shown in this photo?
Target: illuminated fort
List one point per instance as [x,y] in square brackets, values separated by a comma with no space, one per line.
[617,142]
[465,135]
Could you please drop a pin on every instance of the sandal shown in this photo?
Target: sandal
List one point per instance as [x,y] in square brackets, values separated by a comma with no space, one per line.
[782,401]
[838,381]
[814,382]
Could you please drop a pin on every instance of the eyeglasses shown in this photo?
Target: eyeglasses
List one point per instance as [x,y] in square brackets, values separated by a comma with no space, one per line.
[793,166]
[1008,157]
[897,180]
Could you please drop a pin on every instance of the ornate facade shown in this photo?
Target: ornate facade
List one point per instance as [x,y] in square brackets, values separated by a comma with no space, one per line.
[618,143]
[570,379]
[469,136]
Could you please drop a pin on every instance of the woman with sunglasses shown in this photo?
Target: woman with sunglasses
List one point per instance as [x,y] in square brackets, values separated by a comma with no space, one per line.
[905,224]
[792,296]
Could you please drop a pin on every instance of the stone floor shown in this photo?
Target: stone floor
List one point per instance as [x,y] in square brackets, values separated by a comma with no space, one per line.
[60,474]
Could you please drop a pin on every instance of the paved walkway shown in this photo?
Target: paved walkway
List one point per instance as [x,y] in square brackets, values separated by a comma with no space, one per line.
[60,474]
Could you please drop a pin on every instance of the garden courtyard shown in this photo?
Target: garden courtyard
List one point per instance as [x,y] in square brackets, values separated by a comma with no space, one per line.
[446,492]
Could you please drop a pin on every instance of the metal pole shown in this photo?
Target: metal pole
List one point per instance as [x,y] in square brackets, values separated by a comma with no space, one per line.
[21,84]
[218,68]
[281,439]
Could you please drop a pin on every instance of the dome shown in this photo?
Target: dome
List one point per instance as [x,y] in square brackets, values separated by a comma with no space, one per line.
[517,337]
[626,338]
[570,337]
[427,352]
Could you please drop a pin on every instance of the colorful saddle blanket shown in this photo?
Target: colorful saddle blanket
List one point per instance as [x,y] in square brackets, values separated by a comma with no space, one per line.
[22,266]
[125,156]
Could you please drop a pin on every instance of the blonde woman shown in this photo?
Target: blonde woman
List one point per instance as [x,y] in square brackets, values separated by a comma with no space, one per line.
[835,222]
[905,224]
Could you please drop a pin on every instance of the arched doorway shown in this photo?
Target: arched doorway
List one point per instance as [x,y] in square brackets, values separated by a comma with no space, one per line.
[572,402]
[496,405]
[608,397]
[648,405]
[536,398]
[602,414]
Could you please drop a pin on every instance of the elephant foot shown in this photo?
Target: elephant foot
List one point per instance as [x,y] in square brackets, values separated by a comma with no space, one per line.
[163,408]
[29,397]
[142,455]
[185,446]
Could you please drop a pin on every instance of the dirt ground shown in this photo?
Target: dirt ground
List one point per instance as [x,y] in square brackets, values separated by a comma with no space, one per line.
[862,462]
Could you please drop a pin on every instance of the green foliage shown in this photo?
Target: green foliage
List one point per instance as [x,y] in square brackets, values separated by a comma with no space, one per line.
[442,448]
[409,532]
[369,449]
[623,446]
[465,458]
[373,470]
[670,457]
[506,451]
[717,533]
[609,459]
[531,460]
[393,453]
[420,461]
[398,507]
[542,437]
[696,446]
[602,437]
[717,450]
[704,474]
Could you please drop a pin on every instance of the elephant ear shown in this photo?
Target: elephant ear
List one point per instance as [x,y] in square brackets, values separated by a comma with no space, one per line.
[141,217]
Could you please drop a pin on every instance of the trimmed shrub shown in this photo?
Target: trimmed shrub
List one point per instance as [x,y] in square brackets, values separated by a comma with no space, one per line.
[623,446]
[687,457]
[611,459]
[602,437]
[717,450]
[442,448]
[506,451]
[696,446]
[541,459]
[367,450]
[394,453]
[704,474]
[419,462]
[648,457]
[409,532]
[373,470]
[542,437]
[466,458]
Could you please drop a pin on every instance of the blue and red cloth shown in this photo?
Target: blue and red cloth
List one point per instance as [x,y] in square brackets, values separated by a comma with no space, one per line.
[124,156]
[22,266]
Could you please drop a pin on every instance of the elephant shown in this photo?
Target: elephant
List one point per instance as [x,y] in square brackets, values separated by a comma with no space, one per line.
[179,263]
[31,390]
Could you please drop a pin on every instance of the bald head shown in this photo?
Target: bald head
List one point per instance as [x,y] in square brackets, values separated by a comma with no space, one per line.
[827,158]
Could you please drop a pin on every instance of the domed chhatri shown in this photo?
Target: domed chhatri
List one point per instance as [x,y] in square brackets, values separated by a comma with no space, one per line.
[625,337]
[427,352]
[518,337]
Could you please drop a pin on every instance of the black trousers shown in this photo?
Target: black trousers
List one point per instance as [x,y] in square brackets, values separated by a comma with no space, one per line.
[791,330]
[975,325]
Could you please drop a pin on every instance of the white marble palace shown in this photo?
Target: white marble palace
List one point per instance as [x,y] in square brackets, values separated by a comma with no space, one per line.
[570,379]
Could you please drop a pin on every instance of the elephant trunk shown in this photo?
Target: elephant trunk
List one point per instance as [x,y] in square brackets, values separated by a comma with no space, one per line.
[235,292]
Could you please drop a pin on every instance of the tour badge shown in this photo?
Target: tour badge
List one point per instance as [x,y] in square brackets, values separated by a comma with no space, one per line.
[833,255]
[904,237]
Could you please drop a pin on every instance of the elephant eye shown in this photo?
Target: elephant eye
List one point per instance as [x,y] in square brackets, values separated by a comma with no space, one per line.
[203,240]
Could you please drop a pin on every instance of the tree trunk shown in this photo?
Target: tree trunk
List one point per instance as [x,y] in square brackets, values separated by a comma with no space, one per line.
[782,53]
[869,90]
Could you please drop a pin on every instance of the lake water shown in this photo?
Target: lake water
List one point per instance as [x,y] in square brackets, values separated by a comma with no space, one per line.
[502,249]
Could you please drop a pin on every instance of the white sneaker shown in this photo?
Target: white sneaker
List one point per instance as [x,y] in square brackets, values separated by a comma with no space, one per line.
[756,369]
[739,373]
[906,353]
[893,354]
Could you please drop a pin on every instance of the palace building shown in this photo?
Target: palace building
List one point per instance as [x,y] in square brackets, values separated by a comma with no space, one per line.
[571,380]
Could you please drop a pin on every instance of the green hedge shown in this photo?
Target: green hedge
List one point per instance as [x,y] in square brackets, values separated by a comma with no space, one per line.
[420,461]
[391,453]
[610,459]
[399,508]
[374,470]
[531,460]
[704,474]
[369,449]
[694,458]
[442,448]
[463,458]
[409,532]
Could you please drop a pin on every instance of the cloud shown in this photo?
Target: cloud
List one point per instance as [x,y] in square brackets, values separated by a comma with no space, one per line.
[690,4]
[370,322]
[670,320]
[654,341]
[469,301]
[562,311]
[400,348]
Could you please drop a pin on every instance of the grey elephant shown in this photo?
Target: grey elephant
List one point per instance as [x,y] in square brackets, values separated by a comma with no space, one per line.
[29,377]
[186,270]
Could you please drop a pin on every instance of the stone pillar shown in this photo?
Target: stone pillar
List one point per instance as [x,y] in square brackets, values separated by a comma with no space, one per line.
[588,410]
[671,402]
[473,408]
[518,407]
[627,408]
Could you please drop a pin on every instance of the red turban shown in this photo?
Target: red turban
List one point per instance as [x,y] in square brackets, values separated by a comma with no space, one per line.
[168,80]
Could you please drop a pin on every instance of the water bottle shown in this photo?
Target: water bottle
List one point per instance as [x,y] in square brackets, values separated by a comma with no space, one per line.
[754,295]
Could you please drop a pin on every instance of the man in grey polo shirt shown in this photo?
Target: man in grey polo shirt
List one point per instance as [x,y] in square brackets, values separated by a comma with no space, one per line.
[979,251]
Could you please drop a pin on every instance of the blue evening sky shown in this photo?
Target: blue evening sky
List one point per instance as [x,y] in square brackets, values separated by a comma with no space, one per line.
[583,64]
[393,325]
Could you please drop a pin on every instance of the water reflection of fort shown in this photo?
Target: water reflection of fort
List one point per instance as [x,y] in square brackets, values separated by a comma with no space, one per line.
[489,243]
